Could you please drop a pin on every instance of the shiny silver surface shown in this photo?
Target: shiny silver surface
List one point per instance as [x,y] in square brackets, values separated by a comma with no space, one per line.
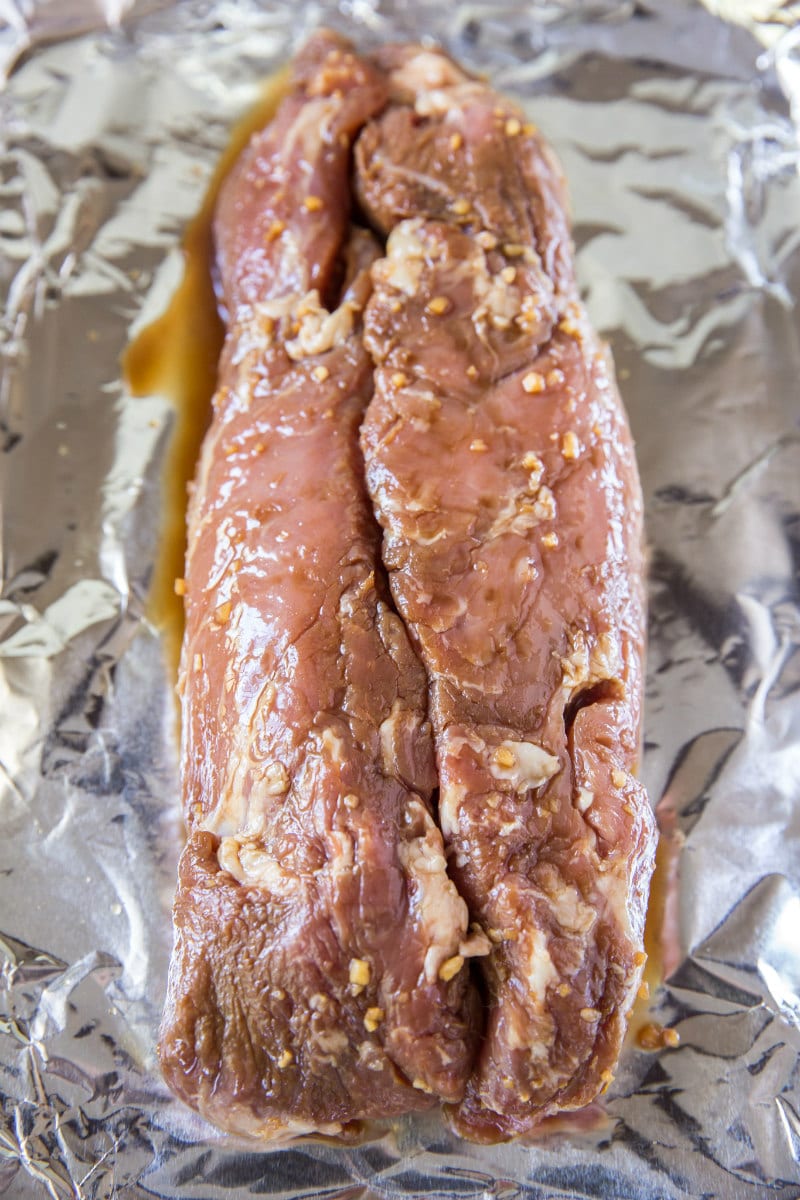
[675,127]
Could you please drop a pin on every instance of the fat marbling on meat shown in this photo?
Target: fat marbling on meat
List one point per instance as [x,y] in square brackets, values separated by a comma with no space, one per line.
[500,464]
[315,978]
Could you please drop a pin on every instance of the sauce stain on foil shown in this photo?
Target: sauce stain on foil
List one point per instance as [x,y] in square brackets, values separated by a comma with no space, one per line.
[658,934]
[176,356]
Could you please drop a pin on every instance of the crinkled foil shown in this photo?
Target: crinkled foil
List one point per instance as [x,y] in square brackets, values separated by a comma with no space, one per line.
[678,129]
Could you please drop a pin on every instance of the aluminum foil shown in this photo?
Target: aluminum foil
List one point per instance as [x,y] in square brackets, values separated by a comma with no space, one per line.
[678,129]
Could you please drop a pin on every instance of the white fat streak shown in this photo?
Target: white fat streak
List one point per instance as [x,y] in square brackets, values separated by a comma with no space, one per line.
[443,101]
[442,913]
[540,970]
[276,1131]
[431,540]
[585,799]
[248,790]
[451,795]
[520,513]
[584,666]
[251,864]
[406,252]
[320,330]
[571,911]
[532,766]
[341,859]
[388,731]
[331,746]
[613,887]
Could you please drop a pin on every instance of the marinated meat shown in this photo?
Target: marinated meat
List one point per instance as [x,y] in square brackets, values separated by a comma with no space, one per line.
[501,468]
[316,976]
[481,666]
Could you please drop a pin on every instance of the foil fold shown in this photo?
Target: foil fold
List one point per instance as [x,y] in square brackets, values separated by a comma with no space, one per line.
[679,130]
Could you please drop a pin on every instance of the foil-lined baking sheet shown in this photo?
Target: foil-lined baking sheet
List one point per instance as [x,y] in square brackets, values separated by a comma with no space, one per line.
[678,129]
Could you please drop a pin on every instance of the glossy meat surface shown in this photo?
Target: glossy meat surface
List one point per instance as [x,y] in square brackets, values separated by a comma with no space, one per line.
[314,913]
[418,855]
[501,468]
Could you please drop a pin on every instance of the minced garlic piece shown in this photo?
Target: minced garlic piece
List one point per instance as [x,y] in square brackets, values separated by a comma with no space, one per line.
[284,1060]
[619,778]
[478,444]
[222,612]
[508,274]
[550,541]
[504,757]
[180,587]
[456,141]
[656,1037]
[570,446]
[513,127]
[275,230]
[313,203]
[461,207]
[399,380]
[533,383]
[590,1014]
[359,972]
[320,373]
[438,305]
[450,968]
[373,1018]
